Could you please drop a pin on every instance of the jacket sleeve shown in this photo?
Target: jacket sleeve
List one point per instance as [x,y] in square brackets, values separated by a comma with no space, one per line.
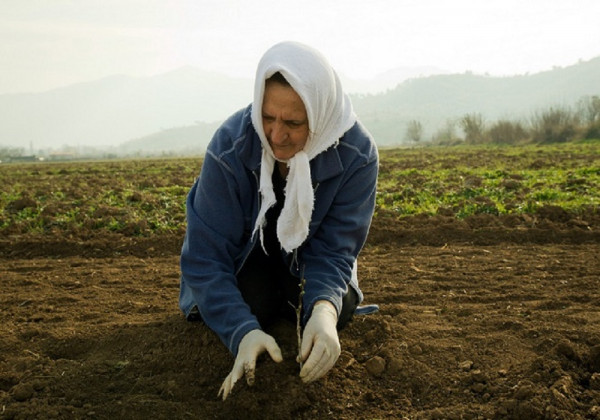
[214,239]
[330,254]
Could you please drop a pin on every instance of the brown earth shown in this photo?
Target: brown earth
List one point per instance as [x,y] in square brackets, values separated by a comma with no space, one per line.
[488,317]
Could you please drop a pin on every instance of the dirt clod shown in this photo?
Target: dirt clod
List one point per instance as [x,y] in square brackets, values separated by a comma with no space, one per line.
[375,365]
[595,382]
[594,359]
[22,392]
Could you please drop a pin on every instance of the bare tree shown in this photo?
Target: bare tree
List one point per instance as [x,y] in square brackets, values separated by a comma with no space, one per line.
[446,135]
[414,131]
[589,109]
[473,127]
[506,132]
[554,125]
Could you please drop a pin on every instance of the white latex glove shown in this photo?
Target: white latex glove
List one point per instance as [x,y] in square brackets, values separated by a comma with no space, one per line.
[251,346]
[320,343]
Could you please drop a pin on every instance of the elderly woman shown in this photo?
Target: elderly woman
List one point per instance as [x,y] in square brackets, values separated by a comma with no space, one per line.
[287,186]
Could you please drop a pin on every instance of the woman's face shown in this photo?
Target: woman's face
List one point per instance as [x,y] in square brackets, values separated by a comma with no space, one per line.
[284,120]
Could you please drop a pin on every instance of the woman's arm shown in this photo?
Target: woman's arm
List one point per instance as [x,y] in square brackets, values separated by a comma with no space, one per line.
[214,239]
[331,252]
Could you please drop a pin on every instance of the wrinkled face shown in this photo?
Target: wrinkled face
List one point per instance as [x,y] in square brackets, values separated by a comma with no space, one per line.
[284,120]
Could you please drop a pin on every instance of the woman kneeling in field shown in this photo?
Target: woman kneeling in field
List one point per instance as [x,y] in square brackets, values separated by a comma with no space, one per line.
[287,186]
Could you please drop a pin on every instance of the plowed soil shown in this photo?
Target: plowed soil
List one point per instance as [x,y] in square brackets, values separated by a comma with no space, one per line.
[489,317]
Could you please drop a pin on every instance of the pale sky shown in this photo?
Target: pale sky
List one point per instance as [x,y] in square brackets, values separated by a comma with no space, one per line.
[46,44]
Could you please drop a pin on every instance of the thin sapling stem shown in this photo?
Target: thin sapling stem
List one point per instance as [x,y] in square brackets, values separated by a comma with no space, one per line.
[299,315]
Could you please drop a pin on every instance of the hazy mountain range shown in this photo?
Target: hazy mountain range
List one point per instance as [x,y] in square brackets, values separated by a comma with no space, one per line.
[179,110]
[435,100]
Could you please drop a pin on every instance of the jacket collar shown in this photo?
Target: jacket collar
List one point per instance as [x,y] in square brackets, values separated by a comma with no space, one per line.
[251,149]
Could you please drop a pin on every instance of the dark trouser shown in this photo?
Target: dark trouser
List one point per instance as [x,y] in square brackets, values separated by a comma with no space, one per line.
[272,291]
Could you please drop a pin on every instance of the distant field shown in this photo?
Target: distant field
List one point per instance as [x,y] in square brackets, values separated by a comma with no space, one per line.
[503,180]
[143,197]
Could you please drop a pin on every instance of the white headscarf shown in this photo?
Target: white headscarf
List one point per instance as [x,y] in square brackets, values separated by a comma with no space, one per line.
[330,115]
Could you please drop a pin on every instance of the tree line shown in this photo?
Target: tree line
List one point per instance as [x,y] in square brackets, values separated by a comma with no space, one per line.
[556,124]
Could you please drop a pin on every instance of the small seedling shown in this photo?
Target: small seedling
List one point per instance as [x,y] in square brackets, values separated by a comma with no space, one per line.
[299,315]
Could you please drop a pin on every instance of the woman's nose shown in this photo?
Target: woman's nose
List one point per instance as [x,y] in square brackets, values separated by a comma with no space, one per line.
[277,133]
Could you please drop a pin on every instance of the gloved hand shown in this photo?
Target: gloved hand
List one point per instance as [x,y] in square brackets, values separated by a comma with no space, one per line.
[320,341]
[251,346]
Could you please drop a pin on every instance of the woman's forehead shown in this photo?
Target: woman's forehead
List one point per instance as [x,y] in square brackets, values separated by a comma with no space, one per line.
[282,99]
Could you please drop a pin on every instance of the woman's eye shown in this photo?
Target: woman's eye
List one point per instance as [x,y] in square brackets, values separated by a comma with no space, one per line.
[295,124]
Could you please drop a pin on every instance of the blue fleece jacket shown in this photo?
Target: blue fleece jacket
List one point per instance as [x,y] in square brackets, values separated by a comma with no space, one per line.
[222,207]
